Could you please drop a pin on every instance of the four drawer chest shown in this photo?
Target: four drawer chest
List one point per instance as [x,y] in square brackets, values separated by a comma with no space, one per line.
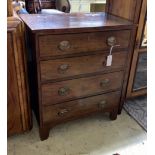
[78,65]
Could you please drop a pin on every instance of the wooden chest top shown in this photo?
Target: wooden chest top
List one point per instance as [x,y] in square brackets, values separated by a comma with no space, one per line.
[79,21]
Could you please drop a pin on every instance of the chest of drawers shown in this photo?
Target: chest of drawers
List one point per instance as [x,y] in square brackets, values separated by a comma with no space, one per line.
[69,77]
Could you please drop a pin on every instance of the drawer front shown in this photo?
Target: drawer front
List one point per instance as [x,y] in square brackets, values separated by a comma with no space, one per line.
[56,45]
[76,108]
[56,69]
[71,89]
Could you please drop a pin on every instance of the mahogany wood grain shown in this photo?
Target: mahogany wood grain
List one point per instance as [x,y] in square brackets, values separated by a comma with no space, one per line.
[79,22]
[128,9]
[126,73]
[137,50]
[19,114]
[73,109]
[9,8]
[69,67]
[86,79]
[13,107]
[81,87]
[80,43]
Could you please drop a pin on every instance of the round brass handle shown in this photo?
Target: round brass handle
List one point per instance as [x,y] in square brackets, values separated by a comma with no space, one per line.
[64,45]
[111,41]
[104,82]
[102,104]
[63,68]
[63,91]
[63,112]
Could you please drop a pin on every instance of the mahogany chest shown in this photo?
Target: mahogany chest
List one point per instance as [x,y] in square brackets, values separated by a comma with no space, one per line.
[69,76]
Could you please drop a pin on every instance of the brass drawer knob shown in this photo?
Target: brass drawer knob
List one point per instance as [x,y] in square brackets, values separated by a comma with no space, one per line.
[64,45]
[63,112]
[111,41]
[63,68]
[63,91]
[102,104]
[104,82]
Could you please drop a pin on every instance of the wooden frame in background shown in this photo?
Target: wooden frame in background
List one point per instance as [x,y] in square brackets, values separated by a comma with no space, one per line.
[137,51]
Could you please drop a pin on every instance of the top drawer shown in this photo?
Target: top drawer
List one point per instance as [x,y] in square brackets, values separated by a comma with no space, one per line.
[56,45]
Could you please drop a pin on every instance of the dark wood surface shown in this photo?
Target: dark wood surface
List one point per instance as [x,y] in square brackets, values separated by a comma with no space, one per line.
[81,87]
[69,67]
[128,9]
[73,21]
[81,41]
[74,109]
[92,42]
[18,106]
[135,11]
